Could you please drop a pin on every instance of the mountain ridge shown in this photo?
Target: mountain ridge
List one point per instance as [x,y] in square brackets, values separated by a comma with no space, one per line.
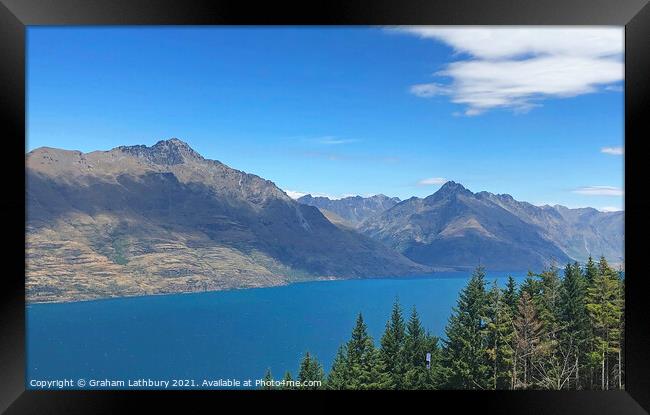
[352,209]
[419,226]
[138,220]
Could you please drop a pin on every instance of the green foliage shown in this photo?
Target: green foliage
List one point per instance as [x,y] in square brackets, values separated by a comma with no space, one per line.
[339,375]
[288,379]
[499,337]
[268,378]
[576,332]
[464,353]
[310,371]
[416,346]
[358,364]
[605,309]
[392,352]
[591,270]
[528,331]
[552,333]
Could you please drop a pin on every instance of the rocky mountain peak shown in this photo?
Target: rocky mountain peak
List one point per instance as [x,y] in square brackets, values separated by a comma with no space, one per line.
[167,152]
[449,189]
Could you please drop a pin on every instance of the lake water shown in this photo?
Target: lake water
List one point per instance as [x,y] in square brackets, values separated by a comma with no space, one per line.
[234,334]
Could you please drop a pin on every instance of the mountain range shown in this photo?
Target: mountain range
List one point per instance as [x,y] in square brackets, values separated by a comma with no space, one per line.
[350,211]
[139,220]
[148,220]
[455,227]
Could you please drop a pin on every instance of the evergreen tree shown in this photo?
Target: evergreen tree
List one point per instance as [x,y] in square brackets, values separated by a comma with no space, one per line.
[621,332]
[575,321]
[510,297]
[363,361]
[416,347]
[464,357]
[591,270]
[339,376]
[605,308]
[531,285]
[268,379]
[392,351]
[528,332]
[310,371]
[500,334]
[288,381]
[548,302]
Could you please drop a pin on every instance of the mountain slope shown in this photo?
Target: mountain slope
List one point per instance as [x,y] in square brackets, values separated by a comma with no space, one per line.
[456,228]
[146,220]
[578,232]
[353,210]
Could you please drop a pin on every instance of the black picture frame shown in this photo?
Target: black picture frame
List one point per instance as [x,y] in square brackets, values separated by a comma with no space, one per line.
[15,15]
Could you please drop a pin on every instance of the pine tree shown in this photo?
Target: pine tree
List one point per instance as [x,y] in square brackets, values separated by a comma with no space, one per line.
[591,270]
[531,285]
[510,296]
[392,351]
[499,333]
[575,321]
[416,347]
[621,331]
[548,302]
[364,364]
[464,357]
[605,308]
[528,332]
[339,375]
[310,371]
[268,380]
[288,381]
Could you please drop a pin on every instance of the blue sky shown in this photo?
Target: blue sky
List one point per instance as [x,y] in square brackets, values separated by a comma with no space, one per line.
[536,113]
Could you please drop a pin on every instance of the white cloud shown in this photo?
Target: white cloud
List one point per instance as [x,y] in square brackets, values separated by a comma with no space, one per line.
[599,191]
[429,90]
[610,209]
[329,140]
[616,151]
[510,42]
[294,195]
[515,68]
[432,181]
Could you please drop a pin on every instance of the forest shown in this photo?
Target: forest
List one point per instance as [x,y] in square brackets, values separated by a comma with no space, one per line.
[560,329]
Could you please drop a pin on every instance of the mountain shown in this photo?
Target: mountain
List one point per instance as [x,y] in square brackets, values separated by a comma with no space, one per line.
[350,211]
[578,232]
[148,220]
[457,228]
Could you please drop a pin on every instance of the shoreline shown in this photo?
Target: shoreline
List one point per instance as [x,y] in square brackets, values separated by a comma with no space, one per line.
[315,280]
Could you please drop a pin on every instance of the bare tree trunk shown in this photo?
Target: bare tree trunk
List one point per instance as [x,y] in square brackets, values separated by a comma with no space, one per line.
[606,372]
[496,356]
[577,372]
[602,370]
[525,373]
[620,370]
[513,380]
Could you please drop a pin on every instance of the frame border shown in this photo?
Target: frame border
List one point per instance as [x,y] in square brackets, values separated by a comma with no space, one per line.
[15,15]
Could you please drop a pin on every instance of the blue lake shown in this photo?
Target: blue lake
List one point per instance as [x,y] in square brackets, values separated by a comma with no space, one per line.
[234,334]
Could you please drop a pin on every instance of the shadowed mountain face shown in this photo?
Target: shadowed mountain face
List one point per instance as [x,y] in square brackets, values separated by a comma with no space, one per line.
[147,220]
[457,228]
[578,232]
[350,211]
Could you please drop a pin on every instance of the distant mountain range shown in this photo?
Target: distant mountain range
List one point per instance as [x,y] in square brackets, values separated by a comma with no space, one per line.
[147,220]
[350,211]
[150,220]
[459,229]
